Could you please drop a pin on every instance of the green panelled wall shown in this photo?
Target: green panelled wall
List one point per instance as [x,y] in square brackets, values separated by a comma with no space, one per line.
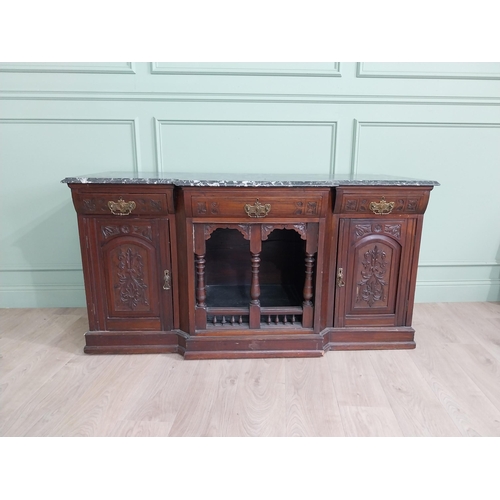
[438,121]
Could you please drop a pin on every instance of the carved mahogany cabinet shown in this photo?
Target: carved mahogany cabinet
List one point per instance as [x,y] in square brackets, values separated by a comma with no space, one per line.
[249,268]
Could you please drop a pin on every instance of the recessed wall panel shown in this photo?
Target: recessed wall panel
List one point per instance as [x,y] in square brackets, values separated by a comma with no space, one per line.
[464,158]
[256,147]
[38,223]
[68,67]
[459,70]
[248,68]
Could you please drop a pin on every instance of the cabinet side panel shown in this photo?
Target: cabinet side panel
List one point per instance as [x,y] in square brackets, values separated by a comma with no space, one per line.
[185,267]
[415,236]
[88,273]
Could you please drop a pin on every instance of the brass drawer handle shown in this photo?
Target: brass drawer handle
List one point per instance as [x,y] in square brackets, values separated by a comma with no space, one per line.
[257,209]
[121,207]
[382,207]
[167,284]
[340,278]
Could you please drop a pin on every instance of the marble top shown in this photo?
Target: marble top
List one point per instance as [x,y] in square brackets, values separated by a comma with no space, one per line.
[246,180]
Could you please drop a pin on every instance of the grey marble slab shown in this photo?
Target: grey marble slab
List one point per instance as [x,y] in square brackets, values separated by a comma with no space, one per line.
[246,180]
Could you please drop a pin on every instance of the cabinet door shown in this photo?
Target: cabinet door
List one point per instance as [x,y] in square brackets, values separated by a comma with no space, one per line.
[133,286]
[373,267]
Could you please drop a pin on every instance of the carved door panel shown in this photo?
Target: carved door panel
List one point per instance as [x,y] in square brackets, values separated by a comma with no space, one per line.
[372,272]
[134,282]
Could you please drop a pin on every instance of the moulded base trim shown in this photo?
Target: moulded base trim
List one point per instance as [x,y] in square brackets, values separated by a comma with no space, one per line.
[252,354]
[130,342]
[258,345]
[369,338]
[368,346]
[131,349]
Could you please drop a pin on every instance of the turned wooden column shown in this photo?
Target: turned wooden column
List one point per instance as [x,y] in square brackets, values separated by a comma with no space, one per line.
[308,292]
[255,249]
[200,291]
[308,284]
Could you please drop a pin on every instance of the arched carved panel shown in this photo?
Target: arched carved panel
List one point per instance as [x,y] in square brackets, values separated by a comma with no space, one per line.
[376,262]
[132,276]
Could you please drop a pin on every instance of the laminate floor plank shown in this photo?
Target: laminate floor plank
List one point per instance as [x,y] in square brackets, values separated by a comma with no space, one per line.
[487,333]
[33,331]
[369,421]
[142,428]
[447,386]
[209,401]
[483,327]
[42,412]
[355,380]
[481,367]
[311,400]
[416,407]
[104,400]
[17,323]
[364,407]
[259,406]
[159,392]
[437,324]
[473,413]
[40,363]
[474,310]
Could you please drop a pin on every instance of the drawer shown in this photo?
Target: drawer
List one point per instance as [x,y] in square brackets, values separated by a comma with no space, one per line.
[123,202]
[258,204]
[381,201]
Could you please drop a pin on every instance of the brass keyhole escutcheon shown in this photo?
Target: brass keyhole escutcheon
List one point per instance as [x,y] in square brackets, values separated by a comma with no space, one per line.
[167,284]
[340,278]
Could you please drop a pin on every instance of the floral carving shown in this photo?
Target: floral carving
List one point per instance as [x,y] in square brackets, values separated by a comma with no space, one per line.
[361,230]
[298,208]
[393,229]
[131,279]
[351,205]
[156,205]
[400,205]
[89,205]
[412,205]
[363,205]
[109,231]
[371,287]
[312,208]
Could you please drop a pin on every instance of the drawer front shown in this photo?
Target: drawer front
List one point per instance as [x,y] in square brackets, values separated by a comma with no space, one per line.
[258,204]
[381,201]
[122,203]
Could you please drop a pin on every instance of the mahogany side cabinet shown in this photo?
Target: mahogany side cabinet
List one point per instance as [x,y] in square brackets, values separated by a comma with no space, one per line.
[247,268]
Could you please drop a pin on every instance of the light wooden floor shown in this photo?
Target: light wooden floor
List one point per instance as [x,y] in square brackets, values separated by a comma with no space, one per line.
[448,386]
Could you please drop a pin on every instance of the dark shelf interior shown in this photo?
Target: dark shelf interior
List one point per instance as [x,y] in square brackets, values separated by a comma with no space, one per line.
[228,269]
[277,295]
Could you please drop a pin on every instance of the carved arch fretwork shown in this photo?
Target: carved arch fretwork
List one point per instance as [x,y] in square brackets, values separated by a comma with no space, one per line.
[300,228]
[244,229]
